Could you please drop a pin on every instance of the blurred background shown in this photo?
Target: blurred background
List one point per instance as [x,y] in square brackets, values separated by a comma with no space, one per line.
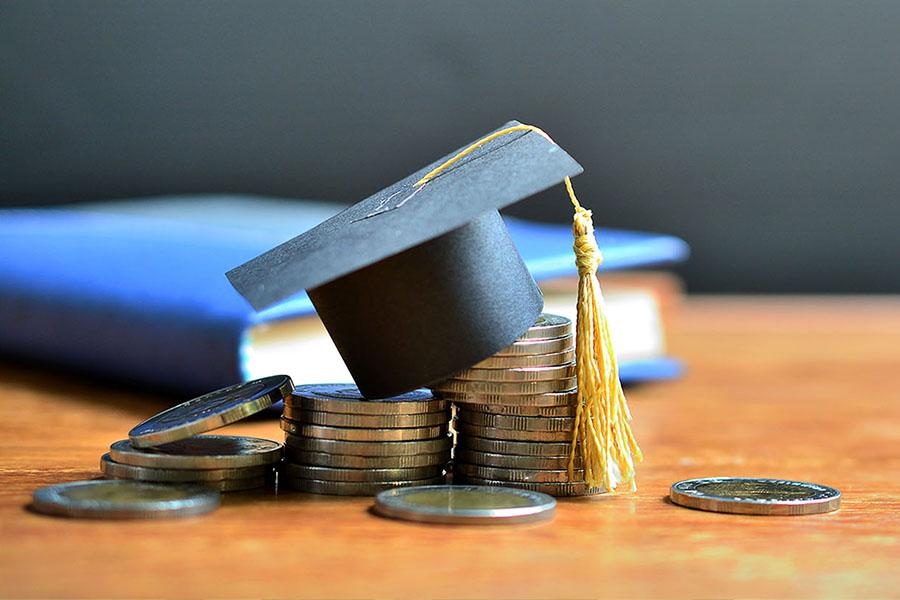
[766,134]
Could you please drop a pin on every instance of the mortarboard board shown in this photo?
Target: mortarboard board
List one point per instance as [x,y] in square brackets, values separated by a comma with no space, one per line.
[419,281]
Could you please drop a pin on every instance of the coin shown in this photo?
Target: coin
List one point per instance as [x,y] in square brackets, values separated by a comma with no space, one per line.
[365,421]
[352,488]
[200,452]
[237,485]
[495,433]
[752,496]
[349,461]
[525,411]
[548,326]
[294,471]
[515,422]
[517,375]
[518,388]
[523,475]
[210,411]
[345,398]
[567,398]
[122,471]
[507,461]
[524,361]
[441,444]
[519,347]
[122,499]
[363,435]
[465,504]
[552,489]
[516,448]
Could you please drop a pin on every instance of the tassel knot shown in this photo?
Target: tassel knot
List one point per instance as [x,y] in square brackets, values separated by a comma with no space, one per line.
[587,254]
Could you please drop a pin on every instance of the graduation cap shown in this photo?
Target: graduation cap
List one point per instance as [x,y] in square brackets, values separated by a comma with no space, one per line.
[418,282]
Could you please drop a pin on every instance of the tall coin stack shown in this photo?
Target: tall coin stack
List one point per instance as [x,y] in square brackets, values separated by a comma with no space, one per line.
[337,442]
[515,413]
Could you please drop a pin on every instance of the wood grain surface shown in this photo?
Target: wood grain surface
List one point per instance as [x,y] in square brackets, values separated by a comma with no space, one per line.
[793,388]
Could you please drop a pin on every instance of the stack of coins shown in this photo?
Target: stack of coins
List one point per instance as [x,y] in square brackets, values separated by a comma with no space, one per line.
[515,412]
[223,462]
[338,442]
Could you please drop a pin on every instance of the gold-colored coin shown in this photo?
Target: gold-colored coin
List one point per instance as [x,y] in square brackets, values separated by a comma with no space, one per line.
[200,452]
[549,399]
[520,347]
[495,433]
[518,388]
[121,471]
[345,398]
[363,435]
[552,489]
[238,485]
[517,375]
[548,326]
[295,471]
[525,361]
[365,421]
[376,448]
[518,475]
[351,461]
[513,447]
[509,461]
[524,411]
[515,422]
[352,488]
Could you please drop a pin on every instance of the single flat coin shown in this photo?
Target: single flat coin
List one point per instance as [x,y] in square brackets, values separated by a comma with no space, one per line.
[200,452]
[210,411]
[518,475]
[117,470]
[524,361]
[345,398]
[548,326]
[517,388]
[511,447]
[365,421]
[751,496]
[553,489]
[349,461]
[352,488]
[441,444]
[515,422]
[567,398]
[507,461]
[295,471]
[465,504]
[495,433]
[524,411]
[364,435]
[551,346]
[121,499]
[514,375]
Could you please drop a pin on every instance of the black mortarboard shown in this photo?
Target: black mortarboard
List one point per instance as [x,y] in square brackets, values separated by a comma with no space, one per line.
[415,283]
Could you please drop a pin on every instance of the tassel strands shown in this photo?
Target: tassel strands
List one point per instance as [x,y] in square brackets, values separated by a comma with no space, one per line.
[602,433]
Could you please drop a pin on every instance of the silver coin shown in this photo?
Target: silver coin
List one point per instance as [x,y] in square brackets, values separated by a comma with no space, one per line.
[200,452]
[465,504]
[210,411]
[567,398]
[122,499]
[238,485]
[524,411]
[515,448]
[752,496]
[349,461]
[529,374]
[518,388]
[295,471]
[364,435]
[520,347]
[548,326]
[508,461]
[524,361]
[366,421]
[351,488]
[122,471]
[441,444]
[345,398]
[495,433]
[517,475]
[515,422]
[551,489]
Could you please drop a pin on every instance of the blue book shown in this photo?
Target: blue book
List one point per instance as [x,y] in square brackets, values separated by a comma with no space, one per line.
[136,291]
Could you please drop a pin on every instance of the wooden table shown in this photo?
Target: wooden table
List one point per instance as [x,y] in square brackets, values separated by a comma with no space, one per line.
[794,388]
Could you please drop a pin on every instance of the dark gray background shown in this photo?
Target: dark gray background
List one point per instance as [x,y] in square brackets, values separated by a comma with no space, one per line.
[767,134]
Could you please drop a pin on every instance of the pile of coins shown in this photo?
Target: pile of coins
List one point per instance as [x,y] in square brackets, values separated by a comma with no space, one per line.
[515,412]
[338,442]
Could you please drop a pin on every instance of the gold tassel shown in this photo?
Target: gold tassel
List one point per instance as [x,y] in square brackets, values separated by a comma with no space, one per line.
[602,433]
